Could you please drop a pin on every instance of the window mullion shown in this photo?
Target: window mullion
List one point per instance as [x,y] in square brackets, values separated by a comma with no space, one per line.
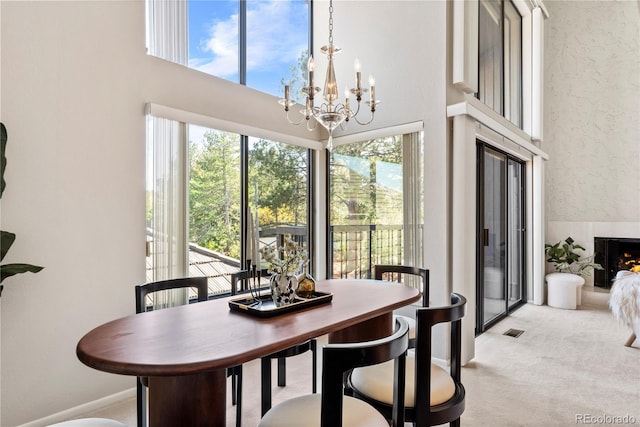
[244,197]
[242,41]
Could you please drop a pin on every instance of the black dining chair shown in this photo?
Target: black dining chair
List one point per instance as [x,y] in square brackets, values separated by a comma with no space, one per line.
[202,291]
[240,281]
[433,395]
[399,273]
[332,408]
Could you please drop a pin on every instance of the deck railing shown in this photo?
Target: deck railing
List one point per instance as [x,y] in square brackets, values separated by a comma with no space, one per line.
[355,249]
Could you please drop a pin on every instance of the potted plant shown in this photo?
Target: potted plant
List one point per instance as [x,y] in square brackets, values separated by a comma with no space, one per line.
[565,259]
[7,238]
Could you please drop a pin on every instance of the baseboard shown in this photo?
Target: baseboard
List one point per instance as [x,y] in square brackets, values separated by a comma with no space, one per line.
[79,410]
[595,297]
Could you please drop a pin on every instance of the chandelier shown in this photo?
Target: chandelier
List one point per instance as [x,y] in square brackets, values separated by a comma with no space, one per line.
[331,113]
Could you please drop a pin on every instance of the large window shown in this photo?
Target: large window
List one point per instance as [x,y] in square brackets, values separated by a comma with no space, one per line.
[252,42]
[375,205]
[214,191]
[278,192]
[500,58]
[206,187]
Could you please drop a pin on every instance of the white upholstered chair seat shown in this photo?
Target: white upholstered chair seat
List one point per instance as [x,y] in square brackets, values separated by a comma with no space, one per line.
[376,381]
[89,422]
[304,411]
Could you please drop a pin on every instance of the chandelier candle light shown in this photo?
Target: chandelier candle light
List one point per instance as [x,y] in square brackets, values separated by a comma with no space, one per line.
[332,113]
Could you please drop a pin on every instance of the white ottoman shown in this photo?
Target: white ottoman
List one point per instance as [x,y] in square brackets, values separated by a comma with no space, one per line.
[564,290]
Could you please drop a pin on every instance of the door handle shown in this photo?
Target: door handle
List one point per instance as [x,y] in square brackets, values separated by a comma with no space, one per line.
[485,237]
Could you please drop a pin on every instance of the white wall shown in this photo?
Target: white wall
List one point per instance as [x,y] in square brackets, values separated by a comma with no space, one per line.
[75,193]
[74,80]
[592,120]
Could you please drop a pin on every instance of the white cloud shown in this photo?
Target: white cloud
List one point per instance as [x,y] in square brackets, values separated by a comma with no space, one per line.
[270,37]
[222,43]
[271,28]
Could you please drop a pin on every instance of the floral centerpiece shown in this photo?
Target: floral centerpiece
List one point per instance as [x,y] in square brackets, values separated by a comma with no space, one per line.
[286,259]
[284,263]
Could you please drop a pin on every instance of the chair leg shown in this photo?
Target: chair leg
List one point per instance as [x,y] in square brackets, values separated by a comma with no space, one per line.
[238,376]
[282,371]
[234,386]
[630,341]
[265,363]
[314,366]
[141,404]
[455,423]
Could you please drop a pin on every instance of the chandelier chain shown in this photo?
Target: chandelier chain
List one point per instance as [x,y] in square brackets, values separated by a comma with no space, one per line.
[331,23]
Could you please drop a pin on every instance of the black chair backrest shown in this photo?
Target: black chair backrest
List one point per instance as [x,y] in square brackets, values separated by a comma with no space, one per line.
[200,283]
[398,270]
[426,318]
[239,276]
[337,359]
[247,280]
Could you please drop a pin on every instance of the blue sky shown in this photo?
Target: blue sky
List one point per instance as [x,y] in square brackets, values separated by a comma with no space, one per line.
[277,32]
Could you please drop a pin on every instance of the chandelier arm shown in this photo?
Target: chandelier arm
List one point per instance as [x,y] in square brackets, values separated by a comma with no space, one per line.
[309,127]
[295,123]
[364,123]
[357,110]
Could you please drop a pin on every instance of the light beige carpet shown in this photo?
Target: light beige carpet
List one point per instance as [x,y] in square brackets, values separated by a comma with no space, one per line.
[569,367]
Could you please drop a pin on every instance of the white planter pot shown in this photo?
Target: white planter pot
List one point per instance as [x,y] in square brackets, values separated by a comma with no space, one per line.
[564,290]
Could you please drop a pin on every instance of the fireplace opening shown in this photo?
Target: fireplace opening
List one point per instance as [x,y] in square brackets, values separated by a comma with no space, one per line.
[614,254]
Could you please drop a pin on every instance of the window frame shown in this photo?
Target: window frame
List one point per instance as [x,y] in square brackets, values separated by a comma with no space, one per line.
[403,131]
[182,119]
[465,58]
[510,67]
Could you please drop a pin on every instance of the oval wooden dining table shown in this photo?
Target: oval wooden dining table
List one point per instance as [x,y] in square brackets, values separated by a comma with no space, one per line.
[185,350]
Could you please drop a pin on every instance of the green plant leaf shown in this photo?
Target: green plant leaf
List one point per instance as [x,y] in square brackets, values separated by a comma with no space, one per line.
[6,240]
[9,270]
[566,259]
[3,158]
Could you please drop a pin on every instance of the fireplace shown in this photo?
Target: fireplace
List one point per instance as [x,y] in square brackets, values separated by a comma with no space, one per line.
[614,254]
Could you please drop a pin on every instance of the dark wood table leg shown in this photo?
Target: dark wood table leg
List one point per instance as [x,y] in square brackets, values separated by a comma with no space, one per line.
[197,400]
[373,329]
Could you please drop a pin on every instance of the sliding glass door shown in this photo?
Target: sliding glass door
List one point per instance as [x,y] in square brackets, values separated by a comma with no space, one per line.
[501,236]
[515,232]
